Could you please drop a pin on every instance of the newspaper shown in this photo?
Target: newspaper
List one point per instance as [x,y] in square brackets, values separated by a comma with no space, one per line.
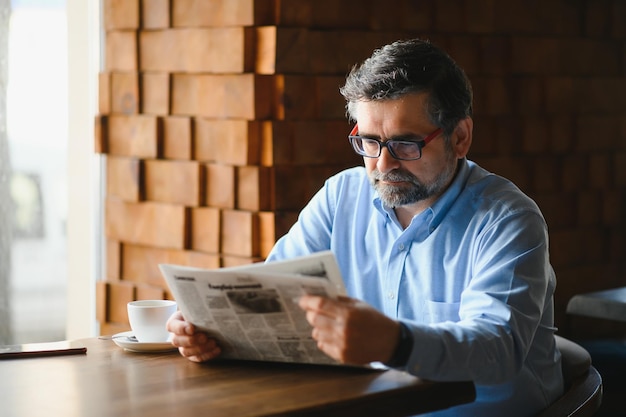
[252,310]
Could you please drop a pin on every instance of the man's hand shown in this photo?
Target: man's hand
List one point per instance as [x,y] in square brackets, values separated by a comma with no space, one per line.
[349,330]
[192,344]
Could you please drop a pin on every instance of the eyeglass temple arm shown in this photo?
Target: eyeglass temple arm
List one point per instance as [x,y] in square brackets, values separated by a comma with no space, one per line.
[354,130]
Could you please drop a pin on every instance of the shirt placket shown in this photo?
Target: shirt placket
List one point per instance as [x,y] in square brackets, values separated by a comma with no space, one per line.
[417,231]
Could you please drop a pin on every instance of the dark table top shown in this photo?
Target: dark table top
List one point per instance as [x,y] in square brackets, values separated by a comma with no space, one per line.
[110,381]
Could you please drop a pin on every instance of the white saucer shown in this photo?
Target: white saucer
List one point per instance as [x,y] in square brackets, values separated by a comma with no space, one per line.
[124,340]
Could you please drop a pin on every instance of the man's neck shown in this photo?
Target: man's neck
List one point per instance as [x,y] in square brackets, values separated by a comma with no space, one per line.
[406,213]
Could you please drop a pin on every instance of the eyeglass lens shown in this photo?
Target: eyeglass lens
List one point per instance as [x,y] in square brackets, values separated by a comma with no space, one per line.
[398,149]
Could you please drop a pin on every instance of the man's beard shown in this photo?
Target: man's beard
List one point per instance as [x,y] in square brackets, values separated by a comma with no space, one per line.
[411,190]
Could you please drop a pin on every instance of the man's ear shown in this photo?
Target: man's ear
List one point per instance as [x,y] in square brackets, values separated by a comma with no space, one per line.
[462,137]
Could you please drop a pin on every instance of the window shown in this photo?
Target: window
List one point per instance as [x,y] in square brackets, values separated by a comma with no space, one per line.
[36,135]
[47,172]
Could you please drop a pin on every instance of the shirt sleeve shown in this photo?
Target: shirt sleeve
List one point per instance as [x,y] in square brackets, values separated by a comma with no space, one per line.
[501,311]
[311,233]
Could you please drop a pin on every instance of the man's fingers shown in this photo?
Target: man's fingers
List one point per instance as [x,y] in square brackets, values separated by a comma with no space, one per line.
[324,305]
[194,345]
[321,320]
[200,354]
[177,325]
[312,302]
[197,348]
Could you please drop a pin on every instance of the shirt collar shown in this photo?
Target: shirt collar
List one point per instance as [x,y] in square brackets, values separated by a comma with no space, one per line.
[441,207]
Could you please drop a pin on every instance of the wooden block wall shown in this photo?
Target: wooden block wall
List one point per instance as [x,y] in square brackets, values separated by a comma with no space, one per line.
[219,119]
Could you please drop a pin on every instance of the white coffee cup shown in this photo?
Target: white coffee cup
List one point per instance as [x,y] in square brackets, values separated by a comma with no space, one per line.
[148,319]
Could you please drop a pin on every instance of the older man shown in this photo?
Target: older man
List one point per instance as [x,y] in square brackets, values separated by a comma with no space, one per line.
[446,264]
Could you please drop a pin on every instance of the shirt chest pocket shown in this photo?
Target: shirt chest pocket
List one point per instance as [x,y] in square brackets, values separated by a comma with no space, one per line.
[437,312]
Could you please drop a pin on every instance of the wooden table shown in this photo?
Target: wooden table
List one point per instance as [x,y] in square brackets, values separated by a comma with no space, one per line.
[109,381]
[606,304]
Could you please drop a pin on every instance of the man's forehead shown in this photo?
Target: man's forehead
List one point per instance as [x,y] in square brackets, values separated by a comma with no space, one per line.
[403,112]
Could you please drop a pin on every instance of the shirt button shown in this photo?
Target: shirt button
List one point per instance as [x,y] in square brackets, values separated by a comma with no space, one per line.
[401,246]
[391,295]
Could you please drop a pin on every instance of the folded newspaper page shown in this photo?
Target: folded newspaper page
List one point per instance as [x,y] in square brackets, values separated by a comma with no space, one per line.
[252,310]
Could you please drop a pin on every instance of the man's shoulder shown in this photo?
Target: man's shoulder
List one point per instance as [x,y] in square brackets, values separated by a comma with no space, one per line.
[494,190]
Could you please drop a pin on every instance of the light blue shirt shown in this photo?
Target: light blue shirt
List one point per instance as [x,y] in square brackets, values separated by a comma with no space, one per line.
[470,276]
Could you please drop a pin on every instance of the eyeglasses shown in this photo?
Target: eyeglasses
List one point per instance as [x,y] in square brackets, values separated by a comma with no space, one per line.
[404,150]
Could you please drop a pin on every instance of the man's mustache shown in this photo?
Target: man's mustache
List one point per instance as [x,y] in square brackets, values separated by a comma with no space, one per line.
[394,176]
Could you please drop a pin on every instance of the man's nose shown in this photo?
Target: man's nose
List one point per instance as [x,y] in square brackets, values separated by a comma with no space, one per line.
[386,162]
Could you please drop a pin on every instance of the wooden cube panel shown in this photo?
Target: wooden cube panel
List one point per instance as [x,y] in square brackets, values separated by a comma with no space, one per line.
[217,50]
[176,182]
[239,96]
[120,294]
[338,151]
[102,296]
[124,177]
[205,229]
[155,14]
[326,13]
[231,260]
[273,225]
[110,328]
[349,48]
[121,51]
[298,50]
[288,96]
[104,93]
[346,13]
[330,104]
[120,14]
[277,143]
[125,92]
[135,136]
[155,93]
[113,260]
[294,13]
[240,233]
[220,186]
[355,14]
[257,97]
[140,264]
[307,143]
[316,178]
[101,134]
[310,147]
[281,50]
[178,137]
[147,223]
[201,260]
[211,13]
[149,292]
[232,142]
[255,188]
[291,195]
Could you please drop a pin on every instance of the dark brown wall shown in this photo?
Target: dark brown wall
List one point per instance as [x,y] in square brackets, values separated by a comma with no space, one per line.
[210,111]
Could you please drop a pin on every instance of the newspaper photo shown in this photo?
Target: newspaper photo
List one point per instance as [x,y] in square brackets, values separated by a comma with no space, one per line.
[253,310]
